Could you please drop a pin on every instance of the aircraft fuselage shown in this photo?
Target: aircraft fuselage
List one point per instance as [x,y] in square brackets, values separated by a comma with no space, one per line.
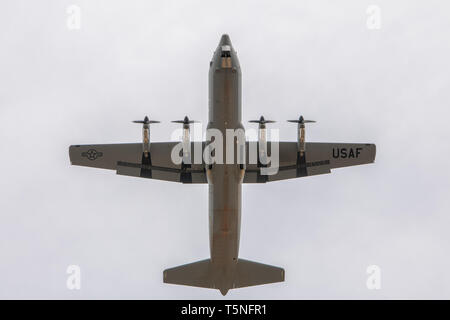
[225,180]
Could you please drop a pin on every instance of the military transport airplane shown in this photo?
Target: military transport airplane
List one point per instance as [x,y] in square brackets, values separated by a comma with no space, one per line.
[154,160]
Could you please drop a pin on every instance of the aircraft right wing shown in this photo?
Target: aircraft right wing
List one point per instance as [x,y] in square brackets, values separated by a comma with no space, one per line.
[319,158]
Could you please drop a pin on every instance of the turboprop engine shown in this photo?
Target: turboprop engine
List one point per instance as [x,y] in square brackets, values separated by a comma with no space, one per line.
[301,133]
[262,136]
[186,142]
[146,134]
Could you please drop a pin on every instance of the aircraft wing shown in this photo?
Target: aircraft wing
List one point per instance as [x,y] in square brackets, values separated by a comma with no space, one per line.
[128,159]
[319,158]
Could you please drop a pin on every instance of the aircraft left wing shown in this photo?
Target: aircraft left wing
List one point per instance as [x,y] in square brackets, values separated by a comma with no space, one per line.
[318,158]
[128,159]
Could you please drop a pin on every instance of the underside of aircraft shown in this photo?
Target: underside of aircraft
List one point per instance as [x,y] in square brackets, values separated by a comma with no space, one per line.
[224,167]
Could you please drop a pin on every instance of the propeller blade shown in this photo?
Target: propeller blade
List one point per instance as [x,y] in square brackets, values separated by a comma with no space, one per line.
[262,121]
[301,120]
[185,121]
[146,121]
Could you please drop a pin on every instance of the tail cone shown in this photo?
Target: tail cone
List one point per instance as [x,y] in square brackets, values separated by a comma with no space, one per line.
[224,291]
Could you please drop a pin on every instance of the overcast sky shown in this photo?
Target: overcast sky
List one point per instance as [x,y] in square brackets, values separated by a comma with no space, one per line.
[388,86]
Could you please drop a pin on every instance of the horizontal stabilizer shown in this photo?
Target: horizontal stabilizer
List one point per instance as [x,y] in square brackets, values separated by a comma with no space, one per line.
[249,273]
[196,274]
[205,274]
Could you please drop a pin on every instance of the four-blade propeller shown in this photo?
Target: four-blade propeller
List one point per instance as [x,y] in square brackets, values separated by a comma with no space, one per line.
[146,121]
[262,121]
[301,120]
[185,121]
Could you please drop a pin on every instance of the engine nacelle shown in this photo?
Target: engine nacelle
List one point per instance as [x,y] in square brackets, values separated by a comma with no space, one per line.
[186,139]
[186,142]
[146,134]
[301,146]
[262,138]
[262,143]
[146,139]
[301,138]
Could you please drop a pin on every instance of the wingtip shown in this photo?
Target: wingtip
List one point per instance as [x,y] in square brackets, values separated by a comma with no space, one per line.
[70,153]
[374,151]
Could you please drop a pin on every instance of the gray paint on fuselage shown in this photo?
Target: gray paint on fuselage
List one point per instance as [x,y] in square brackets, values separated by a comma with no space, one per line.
[224,179]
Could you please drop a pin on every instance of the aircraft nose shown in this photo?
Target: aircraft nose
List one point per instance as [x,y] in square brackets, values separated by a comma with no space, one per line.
[224,56]
[225,40]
